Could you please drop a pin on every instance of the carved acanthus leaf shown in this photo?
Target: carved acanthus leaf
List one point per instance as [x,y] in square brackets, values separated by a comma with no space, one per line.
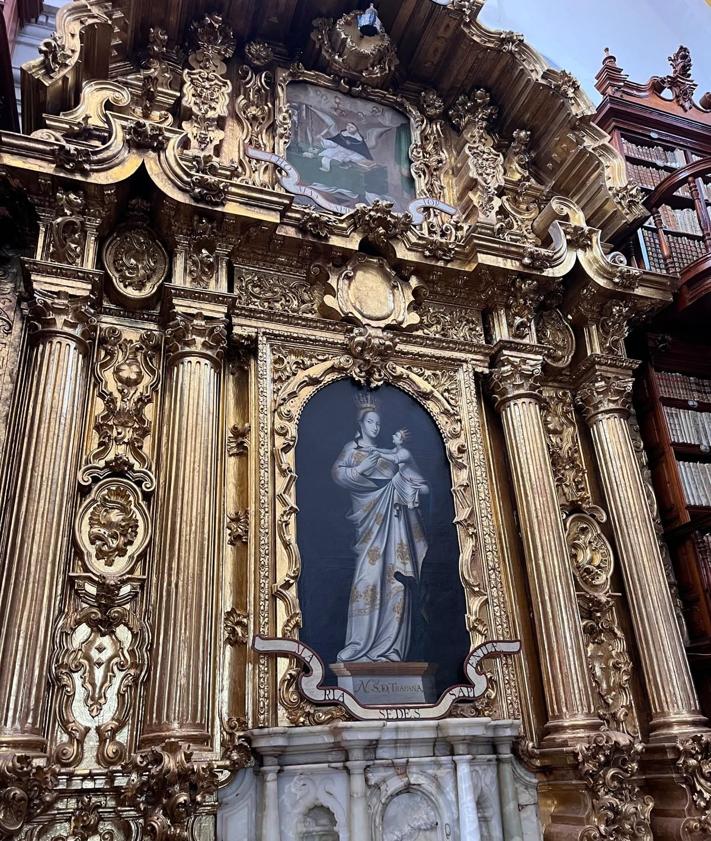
[695,764]
[277,292]
[236,748]
[238,440]
[554,331]
[613,326]
[379,222]
[515,377]
[605,393]
[196,335]
[371,352]
[238,527]
[67,229]
[564,448]
[236,627]
[52,313]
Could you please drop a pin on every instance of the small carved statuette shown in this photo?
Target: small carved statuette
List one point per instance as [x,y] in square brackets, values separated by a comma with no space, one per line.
[143,134]
[55,54]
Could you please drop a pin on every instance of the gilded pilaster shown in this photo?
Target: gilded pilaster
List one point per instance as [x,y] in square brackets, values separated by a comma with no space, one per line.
[604,396]
[518,399]
[178,703]
[61,327]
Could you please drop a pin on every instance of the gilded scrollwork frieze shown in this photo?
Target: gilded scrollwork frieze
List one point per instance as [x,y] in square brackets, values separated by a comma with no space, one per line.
[609,765]
[127,372]
[27,789]
[561,428]
[450,321]
[284,293]
[166,787]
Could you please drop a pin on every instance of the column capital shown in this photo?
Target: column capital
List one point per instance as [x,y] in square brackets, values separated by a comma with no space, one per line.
[194,334]
[516,375]
[59,314]
[605,389]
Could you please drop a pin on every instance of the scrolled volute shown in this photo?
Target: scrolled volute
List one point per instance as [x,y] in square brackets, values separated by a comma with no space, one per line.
[605,393]
[515,377]
[27,788]
[196,335]
[236,748]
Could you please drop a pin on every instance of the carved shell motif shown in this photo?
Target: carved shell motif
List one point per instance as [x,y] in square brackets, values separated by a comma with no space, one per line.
[136,262]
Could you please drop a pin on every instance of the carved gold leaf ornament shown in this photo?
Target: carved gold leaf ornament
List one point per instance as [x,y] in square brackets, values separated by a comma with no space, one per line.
[695,764]
[554,331]
[236,626]
[620,812]
[590,553]
[112,527]
[167,787]
[136,262]
[238,527]
[68,229]
[368,292]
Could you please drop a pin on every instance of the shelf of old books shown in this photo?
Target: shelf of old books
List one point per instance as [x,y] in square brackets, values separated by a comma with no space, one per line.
[676,424]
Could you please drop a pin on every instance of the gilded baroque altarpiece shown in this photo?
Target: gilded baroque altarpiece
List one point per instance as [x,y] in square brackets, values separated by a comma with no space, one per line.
[217,222]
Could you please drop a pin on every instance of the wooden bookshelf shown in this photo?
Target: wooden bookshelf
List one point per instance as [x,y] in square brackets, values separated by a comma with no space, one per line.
[673,401]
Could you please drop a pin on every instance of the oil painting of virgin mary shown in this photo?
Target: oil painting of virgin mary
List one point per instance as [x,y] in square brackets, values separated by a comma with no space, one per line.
[379,550]
[348,149]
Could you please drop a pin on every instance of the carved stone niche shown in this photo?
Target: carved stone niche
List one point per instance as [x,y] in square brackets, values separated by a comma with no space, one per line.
[369,293]
[137,264]
[342,47]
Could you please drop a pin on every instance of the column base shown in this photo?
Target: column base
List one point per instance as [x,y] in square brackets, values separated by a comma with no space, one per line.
[196,738]
[28,743]
[569,731]
[667,729]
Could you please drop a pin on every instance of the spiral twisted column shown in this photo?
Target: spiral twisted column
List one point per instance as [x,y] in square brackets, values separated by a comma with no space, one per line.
[604,396]
[515,388]
[181,681]
[61,329]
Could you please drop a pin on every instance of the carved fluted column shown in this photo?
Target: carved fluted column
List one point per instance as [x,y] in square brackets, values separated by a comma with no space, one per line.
[179,690]
[604,397]
[514,384]
[37,521]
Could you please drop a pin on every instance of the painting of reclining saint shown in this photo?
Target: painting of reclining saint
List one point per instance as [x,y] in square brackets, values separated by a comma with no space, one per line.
[351,151]
[380,593]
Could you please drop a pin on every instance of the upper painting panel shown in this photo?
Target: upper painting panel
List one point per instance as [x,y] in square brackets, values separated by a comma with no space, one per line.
[352,151]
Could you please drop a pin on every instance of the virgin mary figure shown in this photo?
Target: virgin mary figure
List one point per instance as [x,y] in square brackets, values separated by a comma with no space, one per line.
[390,543]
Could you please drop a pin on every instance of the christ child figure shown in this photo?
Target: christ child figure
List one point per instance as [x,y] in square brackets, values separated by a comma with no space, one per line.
[408,481]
